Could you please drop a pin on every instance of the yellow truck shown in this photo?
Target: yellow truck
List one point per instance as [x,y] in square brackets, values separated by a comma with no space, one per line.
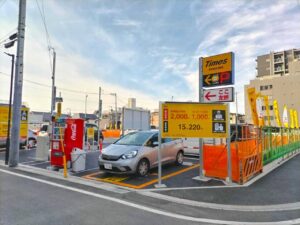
[4,108]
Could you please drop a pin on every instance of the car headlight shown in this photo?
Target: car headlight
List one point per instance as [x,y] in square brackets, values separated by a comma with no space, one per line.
[129,155]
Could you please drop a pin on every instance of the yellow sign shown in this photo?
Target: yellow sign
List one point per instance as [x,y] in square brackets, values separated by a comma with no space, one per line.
[58,114]
[252,102]
[266,100]
[194,120]
[276,112]
[90,132]
[4,120]
[285,118]
[292,122]
[296,119]
[217,63]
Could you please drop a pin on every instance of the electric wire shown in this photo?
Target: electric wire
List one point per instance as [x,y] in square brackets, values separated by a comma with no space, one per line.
[49,45]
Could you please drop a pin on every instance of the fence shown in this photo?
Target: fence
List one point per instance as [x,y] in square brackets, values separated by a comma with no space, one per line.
[279,142]
[253,149]
[246,157]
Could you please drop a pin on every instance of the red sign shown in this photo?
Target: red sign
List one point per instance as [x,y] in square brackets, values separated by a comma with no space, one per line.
[72,135]
[219,95]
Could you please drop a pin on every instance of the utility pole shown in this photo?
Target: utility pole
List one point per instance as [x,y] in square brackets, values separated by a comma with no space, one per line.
[116,107]
[100,105]
[85,107]
[99,114]
[53,94]
[9,109]
[17,101]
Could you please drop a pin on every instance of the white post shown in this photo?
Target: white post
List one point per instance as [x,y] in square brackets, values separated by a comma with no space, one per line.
[229,169]
[159,185]
[201,152]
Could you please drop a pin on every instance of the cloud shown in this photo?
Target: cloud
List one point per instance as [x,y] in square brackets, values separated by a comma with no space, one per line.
[106,11]
[172,65]
[127,23]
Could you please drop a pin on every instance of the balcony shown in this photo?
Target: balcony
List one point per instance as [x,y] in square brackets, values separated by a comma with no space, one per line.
[278,69]
[278,60]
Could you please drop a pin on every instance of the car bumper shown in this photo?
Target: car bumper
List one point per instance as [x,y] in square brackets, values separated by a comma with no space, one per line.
[126,166]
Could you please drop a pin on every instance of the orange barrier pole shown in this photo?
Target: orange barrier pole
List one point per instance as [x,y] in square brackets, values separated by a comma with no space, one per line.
[64,155]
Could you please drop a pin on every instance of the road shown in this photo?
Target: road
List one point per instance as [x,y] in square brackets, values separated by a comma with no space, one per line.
[23,201]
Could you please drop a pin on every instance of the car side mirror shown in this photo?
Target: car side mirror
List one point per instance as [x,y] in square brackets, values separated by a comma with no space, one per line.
[155,143]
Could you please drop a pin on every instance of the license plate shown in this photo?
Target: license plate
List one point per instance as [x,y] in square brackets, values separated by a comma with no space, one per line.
[107,166]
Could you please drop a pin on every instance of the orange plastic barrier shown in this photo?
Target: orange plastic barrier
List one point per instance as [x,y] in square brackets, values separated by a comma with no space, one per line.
[111,133]
[246,160]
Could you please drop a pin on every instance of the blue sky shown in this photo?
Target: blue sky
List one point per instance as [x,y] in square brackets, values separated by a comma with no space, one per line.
[143,49]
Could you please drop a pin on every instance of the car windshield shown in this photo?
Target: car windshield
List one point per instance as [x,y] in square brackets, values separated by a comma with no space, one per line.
[135,138]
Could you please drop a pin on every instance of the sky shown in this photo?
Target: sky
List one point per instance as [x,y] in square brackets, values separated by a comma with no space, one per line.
[143,49]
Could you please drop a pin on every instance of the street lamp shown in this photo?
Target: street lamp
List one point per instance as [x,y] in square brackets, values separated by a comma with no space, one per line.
[9,109]
[116,113]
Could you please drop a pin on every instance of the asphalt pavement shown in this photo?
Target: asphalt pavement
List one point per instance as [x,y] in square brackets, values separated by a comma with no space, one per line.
[280,186]
[27,202]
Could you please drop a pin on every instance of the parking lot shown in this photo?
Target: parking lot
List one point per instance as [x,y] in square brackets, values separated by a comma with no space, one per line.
[172,176]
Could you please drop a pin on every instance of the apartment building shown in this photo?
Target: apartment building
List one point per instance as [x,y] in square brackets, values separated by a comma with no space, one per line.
[278,77]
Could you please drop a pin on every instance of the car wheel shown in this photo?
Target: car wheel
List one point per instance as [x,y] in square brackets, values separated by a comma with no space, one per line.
[143,167]
[179,158]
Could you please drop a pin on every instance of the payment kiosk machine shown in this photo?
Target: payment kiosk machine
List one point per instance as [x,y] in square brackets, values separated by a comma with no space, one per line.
[67,134]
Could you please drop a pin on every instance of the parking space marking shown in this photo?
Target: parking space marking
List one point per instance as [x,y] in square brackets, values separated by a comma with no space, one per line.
[38,163]
[115,179]
[120,183]
[28,162]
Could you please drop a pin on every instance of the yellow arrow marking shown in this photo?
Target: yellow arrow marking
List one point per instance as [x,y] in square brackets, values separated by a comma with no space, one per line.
[207,79]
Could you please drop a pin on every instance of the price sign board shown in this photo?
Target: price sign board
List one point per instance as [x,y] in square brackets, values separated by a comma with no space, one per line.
[218,70]
[198,120]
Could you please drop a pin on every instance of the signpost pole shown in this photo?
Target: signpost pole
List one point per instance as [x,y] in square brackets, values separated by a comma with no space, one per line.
[159,185]
[229,169]
[201,153]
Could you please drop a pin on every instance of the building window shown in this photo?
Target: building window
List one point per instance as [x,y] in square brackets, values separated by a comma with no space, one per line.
[271,107]
[263,108]
[266,87]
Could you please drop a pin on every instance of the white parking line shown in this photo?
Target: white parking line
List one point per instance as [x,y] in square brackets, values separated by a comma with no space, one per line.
[38,163]
[151,210]
[27,162]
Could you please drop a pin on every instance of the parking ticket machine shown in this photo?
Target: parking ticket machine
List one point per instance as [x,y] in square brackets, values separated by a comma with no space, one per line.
[68,132]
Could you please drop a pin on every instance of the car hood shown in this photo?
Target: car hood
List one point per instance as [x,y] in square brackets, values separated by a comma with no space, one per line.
[118,150]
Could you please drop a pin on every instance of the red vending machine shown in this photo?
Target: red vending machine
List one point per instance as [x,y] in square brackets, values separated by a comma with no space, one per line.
[69,132]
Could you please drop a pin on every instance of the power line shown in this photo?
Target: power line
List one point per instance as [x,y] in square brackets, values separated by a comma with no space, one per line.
[43,17]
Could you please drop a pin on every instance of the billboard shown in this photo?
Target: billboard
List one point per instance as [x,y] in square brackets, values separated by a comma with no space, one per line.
[218,70]
[188,120]
[135,119]
[4,120]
